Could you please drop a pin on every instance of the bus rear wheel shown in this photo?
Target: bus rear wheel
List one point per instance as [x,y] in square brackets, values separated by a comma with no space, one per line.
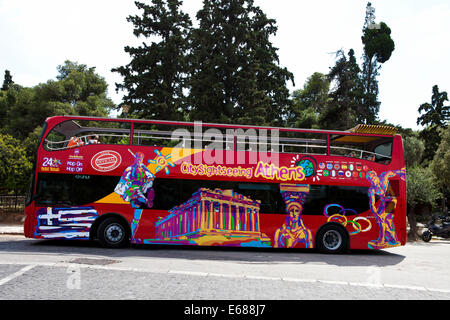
[113,233]
[331,239]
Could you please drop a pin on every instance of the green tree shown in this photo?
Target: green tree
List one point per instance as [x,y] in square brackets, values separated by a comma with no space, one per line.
[154,80]
[414,148]
[31,142]
[422,189]
[15,168]
[434,117]
[315,92]
[82,88]
[310,102]
[341,111]
[78,90]
[18,121]
[236,75]
[378,48]
[7,82]
[3,110]
[435,114]
[441,161]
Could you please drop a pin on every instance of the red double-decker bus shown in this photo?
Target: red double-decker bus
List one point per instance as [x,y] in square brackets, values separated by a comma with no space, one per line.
[122,181]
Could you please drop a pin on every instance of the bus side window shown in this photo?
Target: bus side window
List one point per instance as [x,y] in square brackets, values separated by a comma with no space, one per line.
[268,193]
[383,153]
[56,141]
[162,135]
[303,142]
[368,148]
[73,190]
[75,142]
[154,135]
[54,190]
[104,132]
[330,200]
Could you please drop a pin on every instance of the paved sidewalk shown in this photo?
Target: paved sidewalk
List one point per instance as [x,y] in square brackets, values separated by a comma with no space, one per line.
[18,229]
[11,229]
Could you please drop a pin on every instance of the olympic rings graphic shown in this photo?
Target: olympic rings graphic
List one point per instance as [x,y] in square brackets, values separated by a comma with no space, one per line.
[342,219]
[325,209]
[338,216]
[341,212]
[354,223]
[368,222]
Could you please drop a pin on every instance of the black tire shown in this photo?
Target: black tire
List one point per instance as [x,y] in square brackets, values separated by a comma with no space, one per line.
[426,236]
[331,238]
[113,233]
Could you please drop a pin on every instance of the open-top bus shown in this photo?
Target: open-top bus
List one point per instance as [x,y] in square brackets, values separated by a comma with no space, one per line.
[166,182]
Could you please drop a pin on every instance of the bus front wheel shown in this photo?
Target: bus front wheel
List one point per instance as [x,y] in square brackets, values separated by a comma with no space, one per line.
[113,233]
[331,238]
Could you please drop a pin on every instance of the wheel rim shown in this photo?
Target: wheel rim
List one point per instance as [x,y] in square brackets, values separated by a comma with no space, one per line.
[114,233]
[332,239]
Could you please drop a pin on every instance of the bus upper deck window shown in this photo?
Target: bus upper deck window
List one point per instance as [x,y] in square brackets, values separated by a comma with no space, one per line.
[78,133]
[370,148]
[302,142]
[383,153]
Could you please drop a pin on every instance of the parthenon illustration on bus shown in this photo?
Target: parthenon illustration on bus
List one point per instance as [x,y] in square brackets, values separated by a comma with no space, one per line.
[213,217]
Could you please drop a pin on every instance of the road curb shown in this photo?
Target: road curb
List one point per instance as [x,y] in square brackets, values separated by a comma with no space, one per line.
[11,230]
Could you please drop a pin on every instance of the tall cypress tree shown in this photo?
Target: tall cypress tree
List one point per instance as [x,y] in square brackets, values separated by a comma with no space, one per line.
[7,82]
[345,95]
[155,78]
[236,75]
[435,116]
[378,48]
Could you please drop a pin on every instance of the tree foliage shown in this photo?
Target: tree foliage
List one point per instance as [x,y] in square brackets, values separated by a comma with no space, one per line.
[414,148]
[7,82]
[155,79]
[15,167]
[310,102]
[378,43]
[236,75]
[435,116]
[341,113]
[378,48]
[225,70]
[314,93]
[78,90]
[354,89]
[441,161]
[423,191]
[422,186]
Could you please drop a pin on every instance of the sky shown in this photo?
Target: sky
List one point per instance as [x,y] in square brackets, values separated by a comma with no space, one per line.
[37,36]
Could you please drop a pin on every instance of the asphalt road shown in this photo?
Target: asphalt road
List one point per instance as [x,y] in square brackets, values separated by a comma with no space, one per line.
[73,270]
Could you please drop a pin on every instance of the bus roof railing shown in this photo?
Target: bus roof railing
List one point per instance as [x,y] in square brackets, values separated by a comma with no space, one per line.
[51,144]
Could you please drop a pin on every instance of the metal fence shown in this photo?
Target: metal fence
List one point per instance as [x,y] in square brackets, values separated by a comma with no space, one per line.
[10,203]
